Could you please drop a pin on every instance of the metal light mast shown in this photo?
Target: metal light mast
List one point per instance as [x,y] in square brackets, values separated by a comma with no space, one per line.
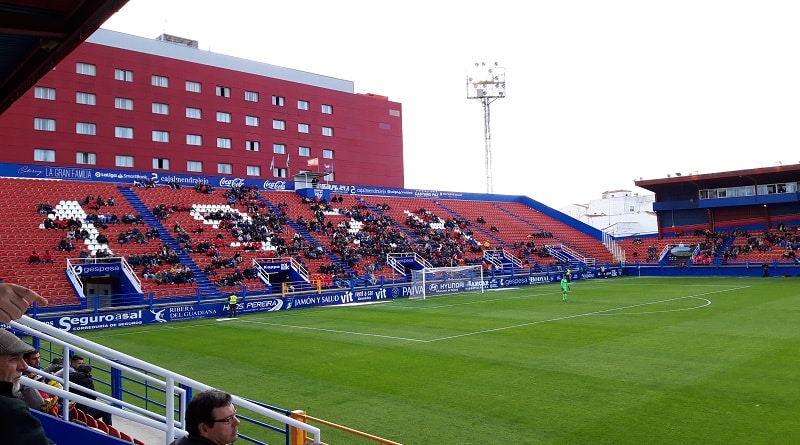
[487,83]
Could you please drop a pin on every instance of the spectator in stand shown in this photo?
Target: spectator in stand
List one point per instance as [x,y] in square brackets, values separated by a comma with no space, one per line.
[81,376]
[44,208]
[47,258]
[34,398]
[210,419]
[34,258]
[18,425]
[65,245]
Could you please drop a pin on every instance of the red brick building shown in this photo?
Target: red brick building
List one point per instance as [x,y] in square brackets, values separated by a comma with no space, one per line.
[123,102]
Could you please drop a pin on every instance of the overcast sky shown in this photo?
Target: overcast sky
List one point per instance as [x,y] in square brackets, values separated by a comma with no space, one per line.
[599,93]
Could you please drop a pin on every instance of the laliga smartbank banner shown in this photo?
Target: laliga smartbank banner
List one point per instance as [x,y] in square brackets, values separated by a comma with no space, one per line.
[187,312]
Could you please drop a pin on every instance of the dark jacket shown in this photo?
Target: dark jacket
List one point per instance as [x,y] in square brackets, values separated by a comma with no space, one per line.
[82,378]
[18,425]
[189,440]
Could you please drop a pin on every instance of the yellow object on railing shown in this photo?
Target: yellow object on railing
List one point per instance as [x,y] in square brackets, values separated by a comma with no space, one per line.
[298,436]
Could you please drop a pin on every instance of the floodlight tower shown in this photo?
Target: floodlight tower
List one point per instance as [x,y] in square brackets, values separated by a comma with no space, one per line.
[487,83]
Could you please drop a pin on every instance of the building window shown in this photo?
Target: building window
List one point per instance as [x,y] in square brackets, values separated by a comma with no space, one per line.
[327,131]
[192,87]
[44,155]
[251,96]
[122,103]
[223,117]
[159,81]
[223,91]
[278,101]
[85,158]
[329,177]
[85,98]
[160,164]
[252,145]
[279,149]
[278,124]
[223,143]
[193,113]
[123,75]
[194,166]
[281,172]
[85,128]
[327,109]
[253,170]
[327,153]
[194,139]
[123,161]
[123,132]
[304,151]
[87,69]
[302,128]
[160,108]
[44,93]
[302,105]
[251,121]
[160,136]
[44,124]
[224,169]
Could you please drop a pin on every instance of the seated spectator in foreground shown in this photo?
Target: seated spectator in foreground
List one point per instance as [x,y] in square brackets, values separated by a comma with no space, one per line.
[210,419]
[19,426]
[82,377]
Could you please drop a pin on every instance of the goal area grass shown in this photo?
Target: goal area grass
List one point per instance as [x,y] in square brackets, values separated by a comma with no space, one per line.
[624,361]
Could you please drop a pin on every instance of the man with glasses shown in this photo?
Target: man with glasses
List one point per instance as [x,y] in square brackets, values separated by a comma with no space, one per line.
[210,419]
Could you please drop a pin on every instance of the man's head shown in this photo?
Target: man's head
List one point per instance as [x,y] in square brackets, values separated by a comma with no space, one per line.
[211,414]
[33,359]
[12,365]
[75,361]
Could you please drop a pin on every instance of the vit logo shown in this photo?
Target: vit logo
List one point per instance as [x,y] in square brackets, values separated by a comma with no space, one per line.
[347,297]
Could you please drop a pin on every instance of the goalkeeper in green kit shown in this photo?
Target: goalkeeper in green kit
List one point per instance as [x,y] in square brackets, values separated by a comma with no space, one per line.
[564,288]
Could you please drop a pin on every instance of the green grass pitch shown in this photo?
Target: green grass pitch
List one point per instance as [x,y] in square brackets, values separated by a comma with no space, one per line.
[624,361]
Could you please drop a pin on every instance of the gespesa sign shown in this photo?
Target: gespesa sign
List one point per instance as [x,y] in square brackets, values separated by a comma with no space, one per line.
[94,269]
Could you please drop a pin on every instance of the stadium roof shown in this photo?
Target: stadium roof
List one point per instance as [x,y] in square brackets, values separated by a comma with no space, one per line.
[756,176]
[37,34]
